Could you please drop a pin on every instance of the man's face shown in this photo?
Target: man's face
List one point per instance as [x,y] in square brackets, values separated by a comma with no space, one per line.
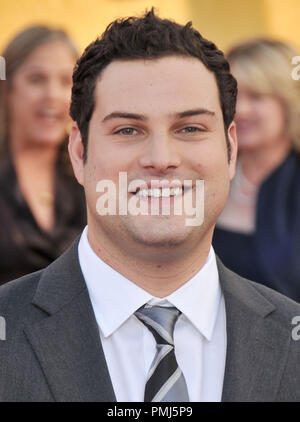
[155,120]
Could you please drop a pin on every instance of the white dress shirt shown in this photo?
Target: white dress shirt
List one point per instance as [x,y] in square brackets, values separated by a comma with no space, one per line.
[129,347]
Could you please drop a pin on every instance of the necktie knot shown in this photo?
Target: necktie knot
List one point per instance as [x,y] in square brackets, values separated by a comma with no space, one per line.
[160,320]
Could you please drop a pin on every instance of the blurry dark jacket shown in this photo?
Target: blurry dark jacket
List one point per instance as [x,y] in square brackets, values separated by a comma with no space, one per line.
[24,246]
[274,254]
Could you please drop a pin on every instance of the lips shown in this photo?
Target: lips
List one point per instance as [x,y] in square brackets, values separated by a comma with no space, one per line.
[159,192]
[244,126]
[160,189]
[50,115]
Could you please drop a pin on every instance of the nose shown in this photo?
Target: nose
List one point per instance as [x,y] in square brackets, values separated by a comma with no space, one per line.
[55,91]
[160,154]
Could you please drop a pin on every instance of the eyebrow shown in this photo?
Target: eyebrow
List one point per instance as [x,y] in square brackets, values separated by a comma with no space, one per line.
[141,117]
[41,68]
[124,115]
[194,112]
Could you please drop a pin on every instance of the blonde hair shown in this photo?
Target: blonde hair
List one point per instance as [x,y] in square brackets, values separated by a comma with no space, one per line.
[265,67]
[15,54]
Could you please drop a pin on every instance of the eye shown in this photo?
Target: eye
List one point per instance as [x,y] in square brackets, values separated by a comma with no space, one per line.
[66,81]
[35,79]
[255,97]
[127,131]
[191,129]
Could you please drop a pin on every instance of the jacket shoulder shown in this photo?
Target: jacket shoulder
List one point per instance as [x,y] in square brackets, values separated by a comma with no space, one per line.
[257,297]
[287,311]
[18,293]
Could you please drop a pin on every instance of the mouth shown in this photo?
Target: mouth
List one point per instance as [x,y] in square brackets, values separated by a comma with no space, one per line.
[244,125]
[161,192]
[50,115]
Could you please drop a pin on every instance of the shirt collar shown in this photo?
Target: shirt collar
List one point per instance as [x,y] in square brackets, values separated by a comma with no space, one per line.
[198,299]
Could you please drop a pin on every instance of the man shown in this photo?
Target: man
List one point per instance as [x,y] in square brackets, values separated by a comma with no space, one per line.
[139,308]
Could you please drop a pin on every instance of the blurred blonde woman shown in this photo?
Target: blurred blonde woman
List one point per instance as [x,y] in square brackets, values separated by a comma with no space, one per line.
[258,233]
[41,204]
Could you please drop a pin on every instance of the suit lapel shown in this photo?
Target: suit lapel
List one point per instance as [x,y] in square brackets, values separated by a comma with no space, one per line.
[257,347]
[67,341]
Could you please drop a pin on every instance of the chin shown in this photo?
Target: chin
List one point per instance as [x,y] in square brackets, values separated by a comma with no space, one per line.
[50,142]
[160,242]
[159,237]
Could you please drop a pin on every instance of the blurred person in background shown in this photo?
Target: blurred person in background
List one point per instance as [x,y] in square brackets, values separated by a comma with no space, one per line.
[41,205]
[258,232]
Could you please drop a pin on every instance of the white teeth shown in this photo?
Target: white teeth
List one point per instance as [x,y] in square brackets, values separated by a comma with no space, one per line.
[176,191]
[158,193]
[165,192]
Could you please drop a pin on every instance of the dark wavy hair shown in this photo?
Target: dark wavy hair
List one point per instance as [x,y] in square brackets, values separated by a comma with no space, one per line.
[146,37]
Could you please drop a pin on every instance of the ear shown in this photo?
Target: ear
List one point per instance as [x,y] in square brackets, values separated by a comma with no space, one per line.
[232,137]
[75,148]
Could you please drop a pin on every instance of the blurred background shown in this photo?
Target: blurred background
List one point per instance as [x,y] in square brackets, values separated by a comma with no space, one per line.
[223,21]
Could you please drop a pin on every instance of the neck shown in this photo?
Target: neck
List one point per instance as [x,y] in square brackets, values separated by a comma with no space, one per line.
[257,164]
[38,158]
[164,270]
[35,169]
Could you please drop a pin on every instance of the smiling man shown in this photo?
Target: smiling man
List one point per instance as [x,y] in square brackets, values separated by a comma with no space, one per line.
[140,308]
[156,119]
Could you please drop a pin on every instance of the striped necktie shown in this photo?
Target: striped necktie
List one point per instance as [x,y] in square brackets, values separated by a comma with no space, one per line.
[165,381]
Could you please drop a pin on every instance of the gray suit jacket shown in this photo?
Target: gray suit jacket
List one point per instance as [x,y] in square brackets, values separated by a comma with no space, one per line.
[53,351]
